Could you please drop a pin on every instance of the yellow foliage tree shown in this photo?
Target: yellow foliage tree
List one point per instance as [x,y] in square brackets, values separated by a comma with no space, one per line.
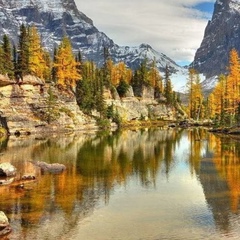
[195,95]
[120,71]
[37,62]
[154,77]
[66,66]
[233,83]
[225,98]
[217,99]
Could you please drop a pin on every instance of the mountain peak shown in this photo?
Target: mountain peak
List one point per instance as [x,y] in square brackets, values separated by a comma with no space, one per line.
[56,18]
[222,34]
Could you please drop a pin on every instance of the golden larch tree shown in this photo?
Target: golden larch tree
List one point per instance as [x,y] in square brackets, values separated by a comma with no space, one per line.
[66,65]
[195,94]
[37,63]
[233,84]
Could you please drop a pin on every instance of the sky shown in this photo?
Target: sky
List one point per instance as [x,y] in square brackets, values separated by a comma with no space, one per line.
[173,27]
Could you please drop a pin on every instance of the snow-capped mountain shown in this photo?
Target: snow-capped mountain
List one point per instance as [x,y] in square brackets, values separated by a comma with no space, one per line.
[56,18]
[221,35]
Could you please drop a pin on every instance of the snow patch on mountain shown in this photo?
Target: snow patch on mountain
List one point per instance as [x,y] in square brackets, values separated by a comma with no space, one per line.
[56,18]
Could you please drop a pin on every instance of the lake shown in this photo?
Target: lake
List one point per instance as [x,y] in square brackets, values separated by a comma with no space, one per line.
[143,184]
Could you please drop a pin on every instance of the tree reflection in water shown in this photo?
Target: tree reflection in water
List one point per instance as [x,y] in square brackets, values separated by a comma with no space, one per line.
[97,163]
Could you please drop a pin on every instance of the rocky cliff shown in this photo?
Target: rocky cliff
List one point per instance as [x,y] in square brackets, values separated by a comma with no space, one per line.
[30,108]
[221,35]
[38,107]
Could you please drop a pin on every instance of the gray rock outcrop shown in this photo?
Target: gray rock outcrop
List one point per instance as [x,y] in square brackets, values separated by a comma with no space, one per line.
[142,108]
[222,34]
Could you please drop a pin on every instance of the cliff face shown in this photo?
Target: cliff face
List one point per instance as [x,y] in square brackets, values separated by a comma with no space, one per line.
[36,107]
[29,108]
[221,35]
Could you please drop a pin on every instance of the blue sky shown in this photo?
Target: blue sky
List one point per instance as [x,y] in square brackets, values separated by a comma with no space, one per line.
[205,7]
[172,27]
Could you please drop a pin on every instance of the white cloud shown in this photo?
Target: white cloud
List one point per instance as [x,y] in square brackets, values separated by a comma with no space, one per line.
[172,27]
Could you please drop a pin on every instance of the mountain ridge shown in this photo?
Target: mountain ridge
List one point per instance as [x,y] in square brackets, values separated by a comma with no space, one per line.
[57,18]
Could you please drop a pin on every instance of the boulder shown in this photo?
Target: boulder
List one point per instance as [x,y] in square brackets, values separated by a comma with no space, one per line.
[7,170]
[4,224]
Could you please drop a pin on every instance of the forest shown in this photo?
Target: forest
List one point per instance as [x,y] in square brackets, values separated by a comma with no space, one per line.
[222,105]
[68,71]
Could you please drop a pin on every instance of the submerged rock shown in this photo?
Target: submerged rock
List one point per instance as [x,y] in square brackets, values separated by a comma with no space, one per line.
[52,168]
[4,224]
[7,170]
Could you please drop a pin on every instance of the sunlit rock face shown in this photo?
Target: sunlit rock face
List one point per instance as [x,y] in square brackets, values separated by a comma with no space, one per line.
[221,35]
[27,108]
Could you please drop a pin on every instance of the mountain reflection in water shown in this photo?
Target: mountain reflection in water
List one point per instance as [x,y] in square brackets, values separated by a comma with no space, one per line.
[132,184]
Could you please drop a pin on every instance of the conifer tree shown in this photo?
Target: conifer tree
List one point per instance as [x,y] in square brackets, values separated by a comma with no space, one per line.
[195,104]
[66,65]
[23,53]
[7,57]
[217,101]
[14,59]
[37,57]
[155,79]
[98,93]
[85,92]
[107,65]
[1,61]
[54,68]
[168,94]
[233,85]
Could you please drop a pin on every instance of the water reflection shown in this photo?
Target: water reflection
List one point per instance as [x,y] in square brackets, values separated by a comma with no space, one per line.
[146,162]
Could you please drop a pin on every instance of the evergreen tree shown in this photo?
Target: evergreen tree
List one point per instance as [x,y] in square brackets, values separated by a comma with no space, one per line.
[7,57]
[23,53]
[15,60]
[98,93]
[140,78]
[107,67]
[54,68]
[1,61]
[85,92]
[168,87]
[122,87]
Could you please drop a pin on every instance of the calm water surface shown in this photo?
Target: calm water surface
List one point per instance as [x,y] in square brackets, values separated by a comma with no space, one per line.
[144,184]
